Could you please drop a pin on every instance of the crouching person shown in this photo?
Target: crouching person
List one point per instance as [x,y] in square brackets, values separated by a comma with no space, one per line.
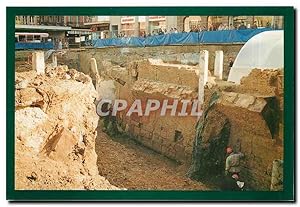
[233,162]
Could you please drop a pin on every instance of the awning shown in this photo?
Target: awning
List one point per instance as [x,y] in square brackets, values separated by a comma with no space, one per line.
[41,28]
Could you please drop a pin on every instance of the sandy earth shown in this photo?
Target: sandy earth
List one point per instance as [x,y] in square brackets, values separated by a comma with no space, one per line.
[55,123]
[126,164]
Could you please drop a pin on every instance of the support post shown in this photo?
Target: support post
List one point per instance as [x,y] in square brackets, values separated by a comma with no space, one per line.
[203,65]
[218,67]
[203,74]
[94,70]
[136,27]
[38,62]
[54,60]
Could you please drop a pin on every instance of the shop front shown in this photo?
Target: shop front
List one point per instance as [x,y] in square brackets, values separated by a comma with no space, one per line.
[127,26]
[78,38]
[156,23]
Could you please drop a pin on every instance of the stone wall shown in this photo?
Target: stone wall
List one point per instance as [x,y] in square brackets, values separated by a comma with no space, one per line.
[170,135]
[185,54]
[251,135]
[255,110]
[246,117]
[170,54]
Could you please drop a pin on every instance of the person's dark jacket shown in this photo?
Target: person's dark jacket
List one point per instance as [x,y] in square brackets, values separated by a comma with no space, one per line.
[229,184]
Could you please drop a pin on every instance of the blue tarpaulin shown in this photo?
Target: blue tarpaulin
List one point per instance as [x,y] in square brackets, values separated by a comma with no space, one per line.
[33,45]
[205,37]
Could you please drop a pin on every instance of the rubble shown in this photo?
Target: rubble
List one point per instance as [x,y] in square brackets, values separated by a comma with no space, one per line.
[55,132]
[261,82]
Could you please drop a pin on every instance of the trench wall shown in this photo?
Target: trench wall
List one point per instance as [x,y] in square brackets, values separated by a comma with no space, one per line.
[170,135]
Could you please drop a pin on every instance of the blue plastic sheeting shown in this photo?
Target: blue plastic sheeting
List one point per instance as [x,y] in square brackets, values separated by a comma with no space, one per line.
[206,37]
[33,45]
[172,39]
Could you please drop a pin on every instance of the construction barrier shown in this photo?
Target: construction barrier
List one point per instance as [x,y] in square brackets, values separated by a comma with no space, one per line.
[191,38]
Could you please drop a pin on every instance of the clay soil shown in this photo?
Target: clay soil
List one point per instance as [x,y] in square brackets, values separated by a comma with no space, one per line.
[127,164]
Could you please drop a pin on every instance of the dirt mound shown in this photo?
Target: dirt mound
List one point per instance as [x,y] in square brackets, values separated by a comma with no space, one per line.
[56,123]
[261,82]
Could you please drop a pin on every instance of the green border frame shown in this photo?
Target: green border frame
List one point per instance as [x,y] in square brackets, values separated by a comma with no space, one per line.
[141,195]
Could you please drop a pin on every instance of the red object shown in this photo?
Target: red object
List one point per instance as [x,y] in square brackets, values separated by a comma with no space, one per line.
[229,150]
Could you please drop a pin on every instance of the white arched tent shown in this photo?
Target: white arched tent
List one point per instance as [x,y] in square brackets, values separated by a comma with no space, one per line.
[263,51]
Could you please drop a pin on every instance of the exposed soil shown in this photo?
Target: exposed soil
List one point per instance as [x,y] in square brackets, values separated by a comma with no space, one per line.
[55,123]
[22,66]
[127,164]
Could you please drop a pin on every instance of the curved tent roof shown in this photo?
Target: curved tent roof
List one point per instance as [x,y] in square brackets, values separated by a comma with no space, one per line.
[263,51]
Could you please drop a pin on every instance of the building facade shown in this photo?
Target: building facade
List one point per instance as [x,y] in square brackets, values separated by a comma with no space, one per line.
[27,20]
[100,25]
[71,21]
[70,30]
[187,23]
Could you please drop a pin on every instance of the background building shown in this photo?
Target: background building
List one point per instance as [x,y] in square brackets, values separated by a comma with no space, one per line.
[94,27]
[100,25]
[186,23]
[72,21]
[70,30]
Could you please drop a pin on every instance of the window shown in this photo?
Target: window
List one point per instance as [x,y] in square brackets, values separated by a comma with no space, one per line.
[194,24]
[22,38]
[36,37]
[29,38]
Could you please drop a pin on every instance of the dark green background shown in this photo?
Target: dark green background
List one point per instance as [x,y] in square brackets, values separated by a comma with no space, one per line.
[289,99]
